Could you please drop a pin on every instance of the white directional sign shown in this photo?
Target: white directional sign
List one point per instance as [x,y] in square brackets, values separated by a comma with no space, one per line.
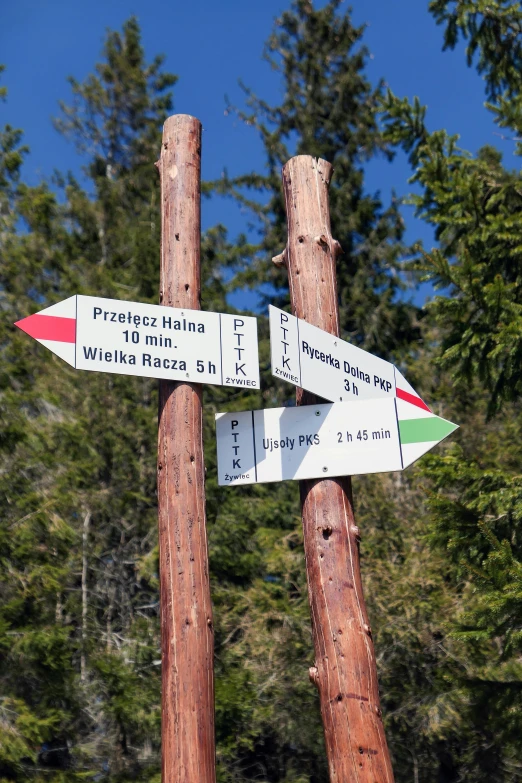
[330,367]
[313,441]
[133,338]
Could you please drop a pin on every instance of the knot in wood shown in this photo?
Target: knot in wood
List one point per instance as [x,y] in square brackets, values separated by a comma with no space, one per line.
[313,674]
[280,260]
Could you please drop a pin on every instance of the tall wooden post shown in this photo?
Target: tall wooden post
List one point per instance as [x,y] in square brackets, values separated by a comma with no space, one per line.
[188,750]
[345,671]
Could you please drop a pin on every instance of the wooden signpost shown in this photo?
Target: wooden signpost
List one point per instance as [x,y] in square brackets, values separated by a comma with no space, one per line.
[375,422]
[183,347]
[345,671]
[187,635]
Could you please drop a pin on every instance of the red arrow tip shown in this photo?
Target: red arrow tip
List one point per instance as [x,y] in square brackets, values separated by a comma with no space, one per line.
[49,327]
[25,325]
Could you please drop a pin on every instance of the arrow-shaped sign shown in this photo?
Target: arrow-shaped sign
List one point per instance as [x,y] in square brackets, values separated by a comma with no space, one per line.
[133,338]
[330,367]
[336,439]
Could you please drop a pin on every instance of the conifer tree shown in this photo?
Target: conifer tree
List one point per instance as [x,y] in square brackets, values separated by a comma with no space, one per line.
[85,626]
[36,680]
[474,203]
[79,626]
[329,109]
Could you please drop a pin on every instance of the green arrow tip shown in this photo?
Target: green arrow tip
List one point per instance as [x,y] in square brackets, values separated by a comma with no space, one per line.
[430,429]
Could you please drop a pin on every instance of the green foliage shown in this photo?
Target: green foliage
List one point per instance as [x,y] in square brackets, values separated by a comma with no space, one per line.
[328,110]
[114,120]
[79,624]
[475,206]
[79,627]
[11,158]
[493,31]
[126,102]
[474,491]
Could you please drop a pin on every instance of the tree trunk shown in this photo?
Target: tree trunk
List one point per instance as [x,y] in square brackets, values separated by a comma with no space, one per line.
[188,751]
[345,671]
[85,543]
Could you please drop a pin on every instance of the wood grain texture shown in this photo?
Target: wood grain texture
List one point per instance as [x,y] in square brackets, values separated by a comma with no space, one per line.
[188,745]
[345,671]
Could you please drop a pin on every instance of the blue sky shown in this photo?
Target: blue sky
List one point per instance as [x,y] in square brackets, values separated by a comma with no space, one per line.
[210,46]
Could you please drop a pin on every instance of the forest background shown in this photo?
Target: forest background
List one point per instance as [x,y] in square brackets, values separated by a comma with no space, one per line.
[441,543]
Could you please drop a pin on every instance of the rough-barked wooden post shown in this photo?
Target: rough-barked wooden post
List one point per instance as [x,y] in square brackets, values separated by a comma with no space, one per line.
[345,672]
[188,749]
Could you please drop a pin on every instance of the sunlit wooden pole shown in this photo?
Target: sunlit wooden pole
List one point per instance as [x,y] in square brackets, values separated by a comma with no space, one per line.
[345,671]
[188,746]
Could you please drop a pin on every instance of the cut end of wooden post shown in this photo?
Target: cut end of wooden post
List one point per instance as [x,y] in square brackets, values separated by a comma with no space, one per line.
[323,168]
[180,119]
[180,124]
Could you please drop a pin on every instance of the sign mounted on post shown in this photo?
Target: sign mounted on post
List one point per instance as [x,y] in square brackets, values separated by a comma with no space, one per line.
[133,338]
[321,441]
[330,367]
